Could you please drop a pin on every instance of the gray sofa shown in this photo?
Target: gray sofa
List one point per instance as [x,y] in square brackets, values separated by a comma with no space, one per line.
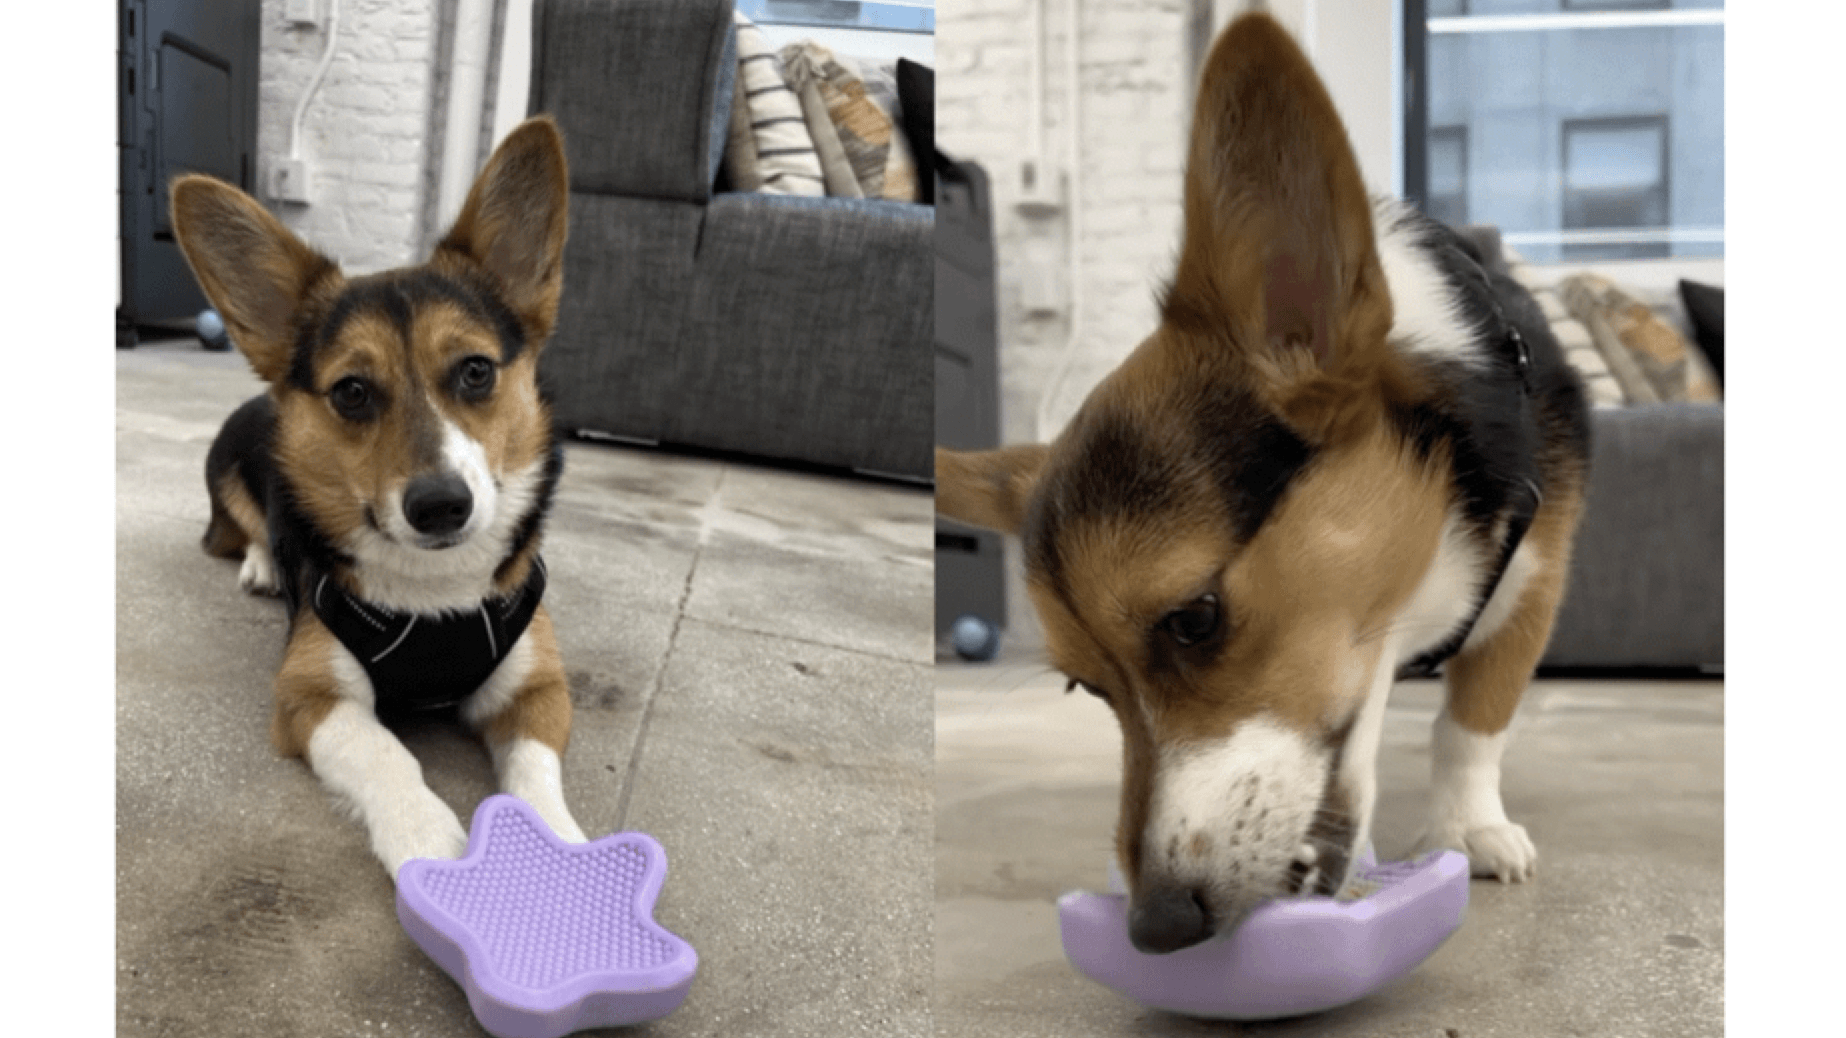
[787,328]
[1647,578]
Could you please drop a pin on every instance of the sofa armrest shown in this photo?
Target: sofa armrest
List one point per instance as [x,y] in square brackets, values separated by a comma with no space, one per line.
[641,89]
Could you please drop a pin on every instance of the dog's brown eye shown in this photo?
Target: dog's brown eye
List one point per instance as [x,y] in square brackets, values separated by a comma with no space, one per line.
[1194,622]
[351,397]
[475,375]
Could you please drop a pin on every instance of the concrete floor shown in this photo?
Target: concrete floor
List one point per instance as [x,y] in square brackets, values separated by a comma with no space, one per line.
[1622,933]
[749,654]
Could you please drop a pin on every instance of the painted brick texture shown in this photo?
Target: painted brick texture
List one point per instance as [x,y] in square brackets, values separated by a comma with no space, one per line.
[1136,90]
[365,135]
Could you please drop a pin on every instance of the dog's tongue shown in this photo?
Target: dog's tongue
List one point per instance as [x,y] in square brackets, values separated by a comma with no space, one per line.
[1290,957]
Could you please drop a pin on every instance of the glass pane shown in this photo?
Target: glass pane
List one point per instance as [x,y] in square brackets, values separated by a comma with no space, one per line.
[1448,174]
[1447,8]
[889,15]
[1582,142]
[1622,154]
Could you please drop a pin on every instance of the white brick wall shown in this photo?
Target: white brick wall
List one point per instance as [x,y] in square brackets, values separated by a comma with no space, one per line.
[1135,92]
[365,135]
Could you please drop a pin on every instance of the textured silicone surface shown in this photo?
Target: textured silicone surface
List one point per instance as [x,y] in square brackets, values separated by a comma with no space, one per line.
[1291,956]
[547,937]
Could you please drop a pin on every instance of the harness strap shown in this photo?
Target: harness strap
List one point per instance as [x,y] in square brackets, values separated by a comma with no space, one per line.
[421,661]
[1518,523]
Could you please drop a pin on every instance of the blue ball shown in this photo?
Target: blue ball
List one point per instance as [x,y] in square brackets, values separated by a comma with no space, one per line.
[211,326]
[974,638]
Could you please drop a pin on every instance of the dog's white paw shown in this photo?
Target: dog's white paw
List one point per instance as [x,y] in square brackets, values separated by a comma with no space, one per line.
[257,576]
[430,830]
[1502,850]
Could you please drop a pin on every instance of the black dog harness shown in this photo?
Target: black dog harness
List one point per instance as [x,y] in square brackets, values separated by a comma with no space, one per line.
[419,662]
[1524,506]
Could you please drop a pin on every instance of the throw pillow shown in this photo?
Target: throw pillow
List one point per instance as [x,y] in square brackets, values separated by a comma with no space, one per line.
[901,181]
[916,99]
[866,132]
[1580,352]
[1647,355]
[1705,306]
[784,149]
[836,169]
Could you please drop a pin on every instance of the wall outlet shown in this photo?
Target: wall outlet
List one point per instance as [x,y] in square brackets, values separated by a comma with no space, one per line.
[288,182]
[303,13]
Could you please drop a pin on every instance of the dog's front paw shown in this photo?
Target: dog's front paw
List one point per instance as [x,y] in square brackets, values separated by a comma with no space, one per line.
[257,576]
[1501,850]
[430,831]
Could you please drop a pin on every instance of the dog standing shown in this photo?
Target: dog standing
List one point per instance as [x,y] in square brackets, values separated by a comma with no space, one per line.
[392,486]
[1346,453]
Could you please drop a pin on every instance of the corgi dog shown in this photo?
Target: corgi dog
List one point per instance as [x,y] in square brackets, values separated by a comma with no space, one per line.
[392,484]
[1347,453]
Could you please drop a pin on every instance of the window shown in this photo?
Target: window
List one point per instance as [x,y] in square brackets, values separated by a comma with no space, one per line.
[1448,175]
[877,30]
[887,15]
[1617,5]
[1615,182]
[1583,129]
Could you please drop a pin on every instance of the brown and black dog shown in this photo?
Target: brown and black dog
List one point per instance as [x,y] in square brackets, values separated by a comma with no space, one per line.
[392,486]
[1346,453]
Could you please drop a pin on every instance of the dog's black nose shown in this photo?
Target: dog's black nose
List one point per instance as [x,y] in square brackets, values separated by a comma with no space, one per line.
[437,504]
[1166,919]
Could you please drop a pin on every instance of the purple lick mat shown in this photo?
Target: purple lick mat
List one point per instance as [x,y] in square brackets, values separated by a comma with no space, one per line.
[1290,957]
[547,937]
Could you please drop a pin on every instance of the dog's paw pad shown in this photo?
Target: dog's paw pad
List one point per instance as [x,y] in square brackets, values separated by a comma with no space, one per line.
[548,937]
[258,574]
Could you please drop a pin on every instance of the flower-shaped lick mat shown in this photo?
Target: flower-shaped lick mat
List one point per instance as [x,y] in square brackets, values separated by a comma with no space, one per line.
[548,937]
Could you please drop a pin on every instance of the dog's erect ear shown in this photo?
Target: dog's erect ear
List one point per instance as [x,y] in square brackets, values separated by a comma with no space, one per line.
[1278,239]
[254,271]
[515,220]
[988,488]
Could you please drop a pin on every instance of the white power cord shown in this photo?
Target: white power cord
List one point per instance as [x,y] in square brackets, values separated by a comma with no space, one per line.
[1074,174]
[320,73]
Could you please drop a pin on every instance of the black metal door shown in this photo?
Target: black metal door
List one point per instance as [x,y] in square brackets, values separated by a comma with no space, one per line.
[187,102]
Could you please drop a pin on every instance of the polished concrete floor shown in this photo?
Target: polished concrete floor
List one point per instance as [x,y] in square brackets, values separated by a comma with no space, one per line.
[1620,784]
[749,654]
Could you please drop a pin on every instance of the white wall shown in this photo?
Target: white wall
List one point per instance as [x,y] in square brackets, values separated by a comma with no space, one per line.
[365,134]
[1357,47]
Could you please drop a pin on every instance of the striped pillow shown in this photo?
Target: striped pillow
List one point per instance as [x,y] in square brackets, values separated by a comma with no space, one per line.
[785,157]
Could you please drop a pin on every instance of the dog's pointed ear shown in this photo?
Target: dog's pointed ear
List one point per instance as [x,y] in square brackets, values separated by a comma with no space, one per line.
[988,488]
[515,220]
[255,272]
[1278,231]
